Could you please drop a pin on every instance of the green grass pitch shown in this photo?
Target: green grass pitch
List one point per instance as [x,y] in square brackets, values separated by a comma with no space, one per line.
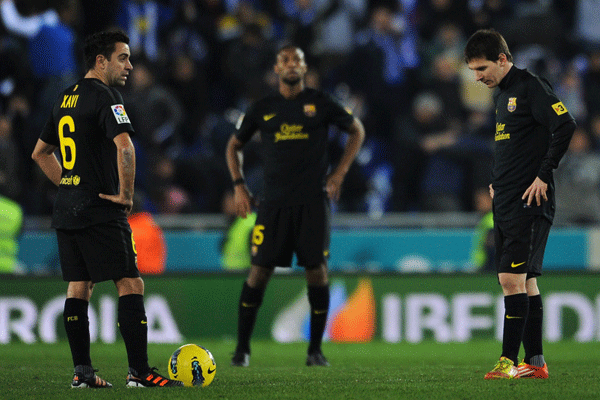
[374,370]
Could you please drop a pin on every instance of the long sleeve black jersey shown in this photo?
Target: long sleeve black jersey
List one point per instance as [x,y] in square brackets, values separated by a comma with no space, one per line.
[533,131]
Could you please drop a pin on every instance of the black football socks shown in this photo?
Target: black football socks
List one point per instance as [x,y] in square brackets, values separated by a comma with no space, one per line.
[516,309]
[532,337]
[75,316]
[318,298]
[134,329]
[250,301]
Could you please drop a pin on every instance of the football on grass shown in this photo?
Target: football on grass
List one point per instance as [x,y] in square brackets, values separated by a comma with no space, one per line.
[193,365]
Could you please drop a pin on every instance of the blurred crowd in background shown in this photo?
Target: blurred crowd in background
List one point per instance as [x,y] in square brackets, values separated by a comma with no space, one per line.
[397,64]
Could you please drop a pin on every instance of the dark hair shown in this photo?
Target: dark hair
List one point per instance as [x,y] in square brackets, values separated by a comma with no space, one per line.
[287,46]
[488,44]
[102,43]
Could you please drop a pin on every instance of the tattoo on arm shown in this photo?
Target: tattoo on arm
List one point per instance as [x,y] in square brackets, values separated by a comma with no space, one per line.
[127,171]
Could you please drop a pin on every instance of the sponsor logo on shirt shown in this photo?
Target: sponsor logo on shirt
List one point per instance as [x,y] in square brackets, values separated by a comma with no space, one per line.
[70,180]
[268,116]
[120,114]
[500,133]
[290,132]
[559,108]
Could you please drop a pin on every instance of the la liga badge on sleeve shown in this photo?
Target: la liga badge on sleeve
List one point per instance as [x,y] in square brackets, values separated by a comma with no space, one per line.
[120,114]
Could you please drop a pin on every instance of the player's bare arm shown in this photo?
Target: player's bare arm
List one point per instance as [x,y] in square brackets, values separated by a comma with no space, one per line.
[126,165]
[537,190]
[356,138]
[235,160]
[43,155]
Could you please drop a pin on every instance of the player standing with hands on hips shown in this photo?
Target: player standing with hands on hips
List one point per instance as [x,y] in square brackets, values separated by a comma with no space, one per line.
[533,131]
[95,195]
[293,216]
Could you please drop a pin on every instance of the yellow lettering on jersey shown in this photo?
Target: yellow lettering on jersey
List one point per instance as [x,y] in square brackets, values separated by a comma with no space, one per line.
[559,108]
[71,180]
[290,132]
[500,134]
[70,101]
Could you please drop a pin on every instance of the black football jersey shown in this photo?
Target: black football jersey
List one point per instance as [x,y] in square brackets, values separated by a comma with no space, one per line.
[84,121]
[527,114]
[294,140]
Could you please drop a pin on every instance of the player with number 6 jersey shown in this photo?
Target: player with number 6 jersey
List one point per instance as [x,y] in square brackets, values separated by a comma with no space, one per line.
[95,182]
[85,120]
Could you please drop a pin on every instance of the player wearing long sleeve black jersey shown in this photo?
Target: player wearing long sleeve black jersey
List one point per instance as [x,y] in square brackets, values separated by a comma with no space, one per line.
[533,131]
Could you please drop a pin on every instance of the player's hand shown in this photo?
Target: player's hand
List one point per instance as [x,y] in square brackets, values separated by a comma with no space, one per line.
[118,199]
[538,190]
[243,200]
[333,186]
[491,192]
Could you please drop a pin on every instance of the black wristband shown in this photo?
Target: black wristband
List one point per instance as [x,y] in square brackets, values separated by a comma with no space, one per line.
[239,181]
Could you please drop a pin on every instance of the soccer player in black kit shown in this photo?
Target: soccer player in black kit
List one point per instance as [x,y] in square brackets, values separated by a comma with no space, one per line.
[293,216]
[533,131]
[95,190]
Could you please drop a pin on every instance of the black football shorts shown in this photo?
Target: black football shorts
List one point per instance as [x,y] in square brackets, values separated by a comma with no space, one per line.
[520,245]
[280,232]
[98,253]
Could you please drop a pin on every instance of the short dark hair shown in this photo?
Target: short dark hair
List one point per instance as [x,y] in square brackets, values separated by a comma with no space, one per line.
[102,43]
[488,44]
[288,46]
